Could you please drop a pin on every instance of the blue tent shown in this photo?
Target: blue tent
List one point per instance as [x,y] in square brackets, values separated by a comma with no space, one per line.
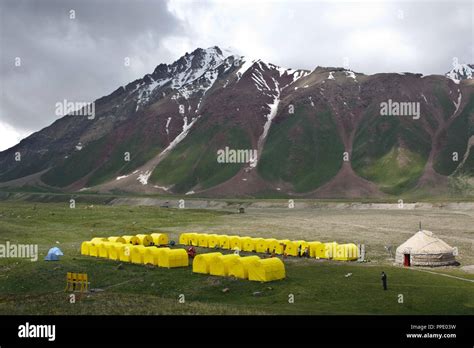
[53,254]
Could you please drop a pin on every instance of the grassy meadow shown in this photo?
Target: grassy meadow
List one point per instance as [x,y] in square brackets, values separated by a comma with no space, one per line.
[318,286]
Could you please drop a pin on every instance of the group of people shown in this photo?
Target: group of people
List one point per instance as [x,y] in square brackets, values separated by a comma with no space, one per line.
[301,252]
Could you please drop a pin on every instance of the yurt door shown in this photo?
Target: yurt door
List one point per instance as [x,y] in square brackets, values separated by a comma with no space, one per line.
[406,260]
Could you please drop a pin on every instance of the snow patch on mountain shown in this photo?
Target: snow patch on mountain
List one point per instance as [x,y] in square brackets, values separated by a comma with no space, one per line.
[350,74]
[143,177]
[458,103]
[164,188]
[168,121]
[270,116]
[246,64]
[460,72]
[146,90]
[194,67]
[186,127]
[259,80]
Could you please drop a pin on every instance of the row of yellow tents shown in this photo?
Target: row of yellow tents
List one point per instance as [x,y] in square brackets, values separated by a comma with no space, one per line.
[139,239]
[118,249]
[248,267]
[333,250]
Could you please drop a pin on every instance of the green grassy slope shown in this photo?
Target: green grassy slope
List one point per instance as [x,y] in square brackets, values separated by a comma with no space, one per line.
[390,151]
[94,157]
[194,160]
[456,138]
[303,149]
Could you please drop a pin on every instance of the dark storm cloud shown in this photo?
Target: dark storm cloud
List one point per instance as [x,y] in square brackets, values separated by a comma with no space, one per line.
[76,59]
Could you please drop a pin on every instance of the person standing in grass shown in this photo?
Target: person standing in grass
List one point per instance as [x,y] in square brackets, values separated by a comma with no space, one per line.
[384,280]
[306,252]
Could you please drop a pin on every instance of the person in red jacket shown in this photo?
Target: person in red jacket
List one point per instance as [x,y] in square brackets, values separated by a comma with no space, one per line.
[191,251]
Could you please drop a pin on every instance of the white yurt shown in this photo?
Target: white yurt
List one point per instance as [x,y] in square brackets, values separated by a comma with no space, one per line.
[425,249]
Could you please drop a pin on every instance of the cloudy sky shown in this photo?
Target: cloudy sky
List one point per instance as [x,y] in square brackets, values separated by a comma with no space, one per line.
[75,50]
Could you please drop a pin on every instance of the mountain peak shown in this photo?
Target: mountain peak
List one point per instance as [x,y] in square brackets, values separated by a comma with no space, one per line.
[461,72]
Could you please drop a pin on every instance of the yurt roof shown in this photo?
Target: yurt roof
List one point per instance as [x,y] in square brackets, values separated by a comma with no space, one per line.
[424,242]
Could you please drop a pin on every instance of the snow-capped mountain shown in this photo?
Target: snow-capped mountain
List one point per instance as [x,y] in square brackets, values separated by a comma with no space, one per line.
[315,133]
[461,72]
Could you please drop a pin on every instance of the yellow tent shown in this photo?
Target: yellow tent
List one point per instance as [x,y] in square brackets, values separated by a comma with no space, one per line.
[219,266]
[145,239]
[201,262]
[160,238]
[213,241]
[235,242]
[346,252]
[131,240]
[161,252]
[203,240]
[260,245]
[274,245]
[283,243]
[104,249]
[193,239]
[247,244]
[173,258]
[114,250]
[293,246]
[265,270]
[184,238]
[98,240]
[151,256]
[137,253]
[330,250]
[94,249]
[316,249]
[224,242]
[116,239]
[85,246]
[124,252]
[238,267]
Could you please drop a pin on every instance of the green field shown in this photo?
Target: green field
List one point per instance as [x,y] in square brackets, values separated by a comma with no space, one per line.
[319,287]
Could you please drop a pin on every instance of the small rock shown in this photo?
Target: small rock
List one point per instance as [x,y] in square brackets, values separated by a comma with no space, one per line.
[225,290]
[257,293]
[270,288]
